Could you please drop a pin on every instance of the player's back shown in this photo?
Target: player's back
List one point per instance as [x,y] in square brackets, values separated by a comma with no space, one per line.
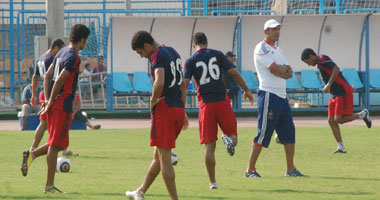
[43,64]
[206,66]
[167,58]
[68,59]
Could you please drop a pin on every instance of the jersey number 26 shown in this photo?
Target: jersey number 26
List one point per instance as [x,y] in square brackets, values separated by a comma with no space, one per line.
[212,69]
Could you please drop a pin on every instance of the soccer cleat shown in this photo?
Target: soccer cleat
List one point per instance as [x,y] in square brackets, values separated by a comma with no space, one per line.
[213,186]
[97,126]
[52,189]
[367,118]
[253,174]
[26,162]
[229,144]
[295,173]
[339,151]
[135,195]
[68,153]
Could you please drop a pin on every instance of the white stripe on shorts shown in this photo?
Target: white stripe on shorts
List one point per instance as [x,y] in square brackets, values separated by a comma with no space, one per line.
[265,117]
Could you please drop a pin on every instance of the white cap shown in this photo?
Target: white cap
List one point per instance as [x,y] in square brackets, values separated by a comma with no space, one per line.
[271,24]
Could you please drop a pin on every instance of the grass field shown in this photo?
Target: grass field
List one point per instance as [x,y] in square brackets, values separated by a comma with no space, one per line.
[112,161]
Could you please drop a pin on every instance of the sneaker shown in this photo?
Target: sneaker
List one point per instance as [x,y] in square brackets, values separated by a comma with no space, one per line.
[135,195]
[52,189]
[295,172]
[26,162]
[229,144]
[96,127]
[68,153]
[367,118]
[339,151]
[253,174]
[213,186]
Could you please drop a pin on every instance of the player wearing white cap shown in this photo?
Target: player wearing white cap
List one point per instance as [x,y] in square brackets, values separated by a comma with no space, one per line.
[274,112]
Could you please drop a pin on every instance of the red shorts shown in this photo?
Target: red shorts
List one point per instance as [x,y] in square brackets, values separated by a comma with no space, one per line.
[58,125]
[41,98]
[167,124]
[212,114]
[342,105]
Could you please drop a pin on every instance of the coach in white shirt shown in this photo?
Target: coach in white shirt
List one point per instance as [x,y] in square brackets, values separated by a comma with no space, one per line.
[274,112]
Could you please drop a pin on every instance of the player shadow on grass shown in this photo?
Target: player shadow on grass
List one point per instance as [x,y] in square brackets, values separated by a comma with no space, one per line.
[310,192]
[152,196]
[350,178]
[34,197]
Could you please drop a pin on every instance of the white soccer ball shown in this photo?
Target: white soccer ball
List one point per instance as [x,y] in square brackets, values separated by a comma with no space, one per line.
[63,164]
[174,158]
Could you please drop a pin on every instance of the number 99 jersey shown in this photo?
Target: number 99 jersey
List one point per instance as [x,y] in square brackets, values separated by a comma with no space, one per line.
[205,65]
[168,59]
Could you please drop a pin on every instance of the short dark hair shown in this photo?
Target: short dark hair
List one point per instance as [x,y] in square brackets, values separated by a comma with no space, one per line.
[140,38]
[87,65]
[306,53]
[57,43]
[200,38]
[79,32]
[230,54]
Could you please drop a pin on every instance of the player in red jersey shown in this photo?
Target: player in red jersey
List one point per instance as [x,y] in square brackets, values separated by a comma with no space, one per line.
[341,108]
[207,65]
[60,85]
[167,110]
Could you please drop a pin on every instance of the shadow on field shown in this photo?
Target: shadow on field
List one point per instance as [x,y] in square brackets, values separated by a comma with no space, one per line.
[97,157]
[32,197]
[310,192]
[350,178]
[162,195]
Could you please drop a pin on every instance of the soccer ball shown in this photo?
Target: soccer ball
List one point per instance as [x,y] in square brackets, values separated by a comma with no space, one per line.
[63,164]
[174,158]
[277,139]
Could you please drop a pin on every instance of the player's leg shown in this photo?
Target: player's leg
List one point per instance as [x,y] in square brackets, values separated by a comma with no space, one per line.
[286,134]
[153,170]
[208,131]
[227,122]
[168,173]
[334,125]
[268,108]
[51,164]
[39,134]
[210,162]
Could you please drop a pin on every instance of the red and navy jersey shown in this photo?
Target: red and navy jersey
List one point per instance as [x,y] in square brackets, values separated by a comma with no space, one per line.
[43,64]
[68,59]
[168,59]
[326,66]
[206,66]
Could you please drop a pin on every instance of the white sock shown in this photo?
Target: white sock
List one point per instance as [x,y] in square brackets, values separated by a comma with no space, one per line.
[361,115]
[341,146]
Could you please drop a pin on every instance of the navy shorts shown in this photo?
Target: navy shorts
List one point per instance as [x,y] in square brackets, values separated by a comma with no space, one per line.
[274,114]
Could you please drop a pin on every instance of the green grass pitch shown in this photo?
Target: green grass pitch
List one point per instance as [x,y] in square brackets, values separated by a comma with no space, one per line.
[113,161]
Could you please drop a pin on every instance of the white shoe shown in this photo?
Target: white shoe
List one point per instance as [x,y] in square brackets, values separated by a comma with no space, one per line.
[135,195]
[213,186]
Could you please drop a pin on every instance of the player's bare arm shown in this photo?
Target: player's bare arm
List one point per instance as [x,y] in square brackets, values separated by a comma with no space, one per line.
[58,84]
[282,71]
[158,86]
[35,80]
[183,87]
[239,80]
[334,74]
[47,79]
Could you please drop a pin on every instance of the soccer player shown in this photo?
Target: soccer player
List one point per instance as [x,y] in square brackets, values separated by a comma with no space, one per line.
[207,65]
[274,112]
[340,109]
[60,84]
[42,66]
[167,110]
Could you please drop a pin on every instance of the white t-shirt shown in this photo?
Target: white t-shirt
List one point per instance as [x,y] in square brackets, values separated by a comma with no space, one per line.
[264,56]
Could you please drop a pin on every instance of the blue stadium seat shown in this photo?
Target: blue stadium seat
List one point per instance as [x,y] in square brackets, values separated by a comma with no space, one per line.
[250,79]
[374,78]
[141,82]
[352,77]
[310,80]
[292,83]
[121,82]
